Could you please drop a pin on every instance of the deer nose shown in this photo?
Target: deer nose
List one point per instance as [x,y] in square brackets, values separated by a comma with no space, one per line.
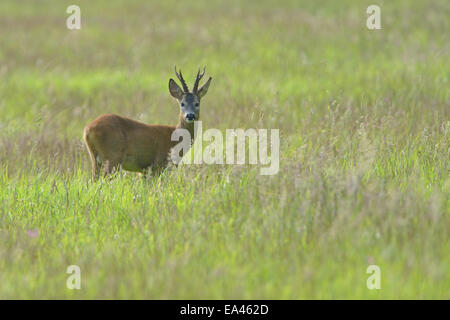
[190,116]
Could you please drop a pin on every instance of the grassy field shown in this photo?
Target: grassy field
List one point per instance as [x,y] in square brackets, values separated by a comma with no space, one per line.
[364,119]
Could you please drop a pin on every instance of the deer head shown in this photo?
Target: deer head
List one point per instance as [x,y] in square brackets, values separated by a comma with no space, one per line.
[189,101]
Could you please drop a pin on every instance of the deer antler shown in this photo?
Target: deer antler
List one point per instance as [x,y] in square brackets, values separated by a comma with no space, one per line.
[197,79]
[183,83]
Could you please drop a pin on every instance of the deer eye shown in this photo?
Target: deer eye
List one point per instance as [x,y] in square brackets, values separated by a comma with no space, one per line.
[182,104]
[196,104]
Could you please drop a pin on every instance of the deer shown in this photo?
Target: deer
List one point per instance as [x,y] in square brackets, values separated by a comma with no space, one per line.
[115,141]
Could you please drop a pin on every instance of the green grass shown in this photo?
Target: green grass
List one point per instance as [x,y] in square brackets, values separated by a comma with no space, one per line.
[364,119]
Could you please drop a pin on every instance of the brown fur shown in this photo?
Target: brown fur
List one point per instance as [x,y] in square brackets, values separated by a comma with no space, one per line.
[114,141]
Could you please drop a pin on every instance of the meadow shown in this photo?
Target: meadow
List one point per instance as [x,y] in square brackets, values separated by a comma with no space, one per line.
[364,120]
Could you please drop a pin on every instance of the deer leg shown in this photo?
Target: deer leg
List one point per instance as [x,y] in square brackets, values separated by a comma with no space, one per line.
[96,169]
[96,165]
[157,171]
[110,167]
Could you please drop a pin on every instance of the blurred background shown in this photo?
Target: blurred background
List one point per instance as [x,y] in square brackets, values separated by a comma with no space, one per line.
[364,123]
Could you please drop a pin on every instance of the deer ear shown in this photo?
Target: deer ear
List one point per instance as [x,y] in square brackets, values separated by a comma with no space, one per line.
[175,90]
[204,89]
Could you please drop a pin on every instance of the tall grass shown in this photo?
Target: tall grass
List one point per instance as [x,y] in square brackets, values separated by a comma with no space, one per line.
[364,119]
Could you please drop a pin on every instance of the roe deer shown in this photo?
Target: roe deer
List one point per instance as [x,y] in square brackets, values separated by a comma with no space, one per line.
[114,141]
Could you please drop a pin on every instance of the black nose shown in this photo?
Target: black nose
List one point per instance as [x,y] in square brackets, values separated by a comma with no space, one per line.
[190,116]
